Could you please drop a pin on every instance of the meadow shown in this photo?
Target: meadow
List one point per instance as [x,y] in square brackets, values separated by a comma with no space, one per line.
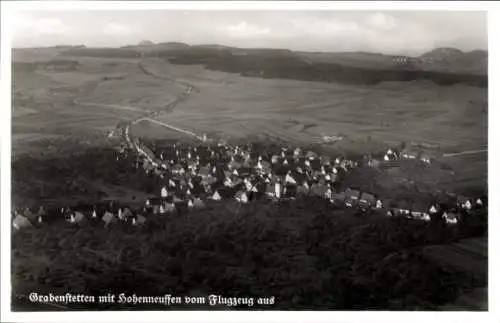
[449,116]
[82,104]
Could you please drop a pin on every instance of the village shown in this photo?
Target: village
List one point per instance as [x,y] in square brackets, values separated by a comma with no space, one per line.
[189,176]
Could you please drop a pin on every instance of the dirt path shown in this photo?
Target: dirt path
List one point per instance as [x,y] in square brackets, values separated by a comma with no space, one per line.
[168,126]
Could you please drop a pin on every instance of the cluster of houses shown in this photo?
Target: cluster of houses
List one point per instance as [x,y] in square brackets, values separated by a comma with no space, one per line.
[393,154]
[190,176]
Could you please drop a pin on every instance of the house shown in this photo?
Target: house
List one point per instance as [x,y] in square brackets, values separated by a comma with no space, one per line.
[401,208]
[244,171]
[408,154]
[479,202]
[138,220]
[374,162]
[228,182]
[78,217]
[417,215]
[425,158]
[248,184]
[367,200]
[216,196]
[29,215]
[433,209]
[270,189]
[311,155]
[307,163]
[277,189]
[328,193]
[241,197]
[21,222]
[326,161]
[236,181]
[464,203]
[450,218]
[169,207]
[289,179]
[401,211]
[127,213]
[351,197]
[227,173]
[108,218]
[164,192]
[177,169]
[41,211]
[204,171]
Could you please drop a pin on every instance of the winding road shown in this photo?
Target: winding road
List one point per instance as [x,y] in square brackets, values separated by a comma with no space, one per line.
[124,127]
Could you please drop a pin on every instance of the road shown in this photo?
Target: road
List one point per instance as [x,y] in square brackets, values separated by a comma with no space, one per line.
[169,107]
[149,114]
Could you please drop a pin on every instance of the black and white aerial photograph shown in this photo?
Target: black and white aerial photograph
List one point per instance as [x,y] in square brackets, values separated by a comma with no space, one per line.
[248,160]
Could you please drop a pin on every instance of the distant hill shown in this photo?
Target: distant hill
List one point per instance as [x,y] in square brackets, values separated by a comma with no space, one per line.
[454,60]
[354,59]
[147,46]
[449,60]
[146,43]
[443,66]
[171,46]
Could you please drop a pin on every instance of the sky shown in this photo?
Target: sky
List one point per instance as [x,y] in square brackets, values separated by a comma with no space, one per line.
[390,32]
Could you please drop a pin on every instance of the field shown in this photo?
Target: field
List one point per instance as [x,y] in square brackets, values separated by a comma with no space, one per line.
[81,104]
[370,118]
[302,111]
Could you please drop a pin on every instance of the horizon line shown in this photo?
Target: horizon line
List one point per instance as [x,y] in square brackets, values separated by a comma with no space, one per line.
[250,48]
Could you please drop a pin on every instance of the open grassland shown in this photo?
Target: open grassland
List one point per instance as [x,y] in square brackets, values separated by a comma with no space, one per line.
[451,116]
[83,102]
